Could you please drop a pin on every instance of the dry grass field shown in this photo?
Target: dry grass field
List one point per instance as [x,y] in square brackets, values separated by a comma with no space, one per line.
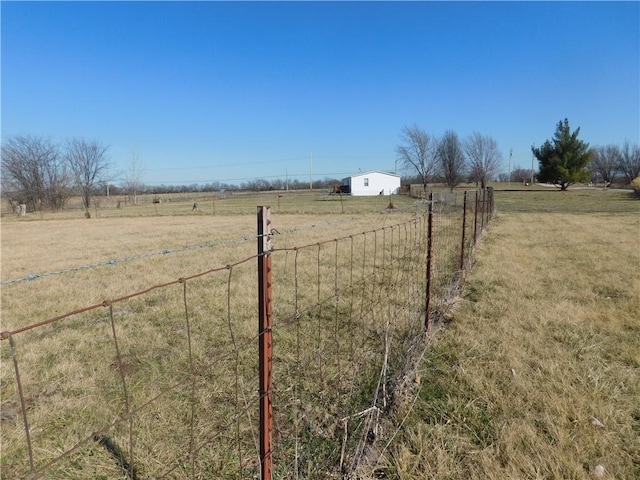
[316,202]
[538,374]
[59,241]
[56,263]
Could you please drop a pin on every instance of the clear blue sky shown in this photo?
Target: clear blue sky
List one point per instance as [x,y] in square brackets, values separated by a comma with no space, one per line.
[210,91]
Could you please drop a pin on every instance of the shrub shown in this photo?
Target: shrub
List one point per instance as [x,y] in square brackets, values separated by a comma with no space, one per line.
[635,184]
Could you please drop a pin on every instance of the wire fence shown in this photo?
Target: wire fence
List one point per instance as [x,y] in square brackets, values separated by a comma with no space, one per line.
[167,382]
[209,204]
[336,221]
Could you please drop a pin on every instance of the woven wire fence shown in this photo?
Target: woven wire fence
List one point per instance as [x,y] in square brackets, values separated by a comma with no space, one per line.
[155,382]
[333,342]
[164,382]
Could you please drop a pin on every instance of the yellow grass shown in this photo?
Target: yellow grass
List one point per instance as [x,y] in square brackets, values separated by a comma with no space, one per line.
[535,377]
[34,248]
[538,375]
[71,369]
[232,203]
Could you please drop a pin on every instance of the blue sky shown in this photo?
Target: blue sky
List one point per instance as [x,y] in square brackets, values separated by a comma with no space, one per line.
[216,91]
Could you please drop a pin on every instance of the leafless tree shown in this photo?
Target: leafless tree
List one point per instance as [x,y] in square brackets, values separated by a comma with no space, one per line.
[451,159]
[605,162]
[33,171]
[133,178]
[521,175]
[416,153]
[630,161]
[484,157]
[87,161]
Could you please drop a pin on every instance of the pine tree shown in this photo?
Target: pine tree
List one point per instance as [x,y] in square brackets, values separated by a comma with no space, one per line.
[563,161]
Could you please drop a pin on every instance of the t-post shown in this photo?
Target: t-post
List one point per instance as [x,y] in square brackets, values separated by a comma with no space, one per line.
[265,341]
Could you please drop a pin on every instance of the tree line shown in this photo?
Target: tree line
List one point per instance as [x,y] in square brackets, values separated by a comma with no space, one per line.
[448,159]
[254,185]
[565,159]
[39,173]
[562,161]
[612,162]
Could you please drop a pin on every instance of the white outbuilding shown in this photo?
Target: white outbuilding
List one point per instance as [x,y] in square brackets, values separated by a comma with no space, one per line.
[372,183]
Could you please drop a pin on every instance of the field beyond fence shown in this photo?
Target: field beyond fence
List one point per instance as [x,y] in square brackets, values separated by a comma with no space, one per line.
[160,377]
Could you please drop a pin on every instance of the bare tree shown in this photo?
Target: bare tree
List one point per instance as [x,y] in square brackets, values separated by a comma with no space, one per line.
[33,171]
[605,162]
[416,153]
[630,161]
[451,159]
[133,178]
[87,161]
[484,157]
[521,175]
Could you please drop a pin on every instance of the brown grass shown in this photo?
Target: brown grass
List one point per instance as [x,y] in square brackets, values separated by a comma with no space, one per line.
[544,344]
[316,202]
[34,247]
[71,373]
[538,376]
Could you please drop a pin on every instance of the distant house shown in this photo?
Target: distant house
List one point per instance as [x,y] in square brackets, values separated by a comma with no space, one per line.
[372,183]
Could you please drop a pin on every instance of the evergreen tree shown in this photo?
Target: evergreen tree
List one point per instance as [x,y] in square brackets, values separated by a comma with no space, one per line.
[563,160]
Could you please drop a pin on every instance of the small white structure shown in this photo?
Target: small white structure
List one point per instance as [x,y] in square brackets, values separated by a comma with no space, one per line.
[372,183]
[21,209]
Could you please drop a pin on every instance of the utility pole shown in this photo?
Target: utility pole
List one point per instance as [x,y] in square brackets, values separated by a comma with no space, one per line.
[532,157]
[311,171]
[510,155]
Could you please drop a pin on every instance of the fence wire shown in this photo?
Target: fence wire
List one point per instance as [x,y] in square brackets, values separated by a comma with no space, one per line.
[335,221]
[333,341]
[163,382]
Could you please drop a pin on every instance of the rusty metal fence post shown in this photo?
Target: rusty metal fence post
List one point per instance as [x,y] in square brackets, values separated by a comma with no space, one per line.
[491,204]
[475,221]
[265,341]
[484,209]
[464,230]
[429,263]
